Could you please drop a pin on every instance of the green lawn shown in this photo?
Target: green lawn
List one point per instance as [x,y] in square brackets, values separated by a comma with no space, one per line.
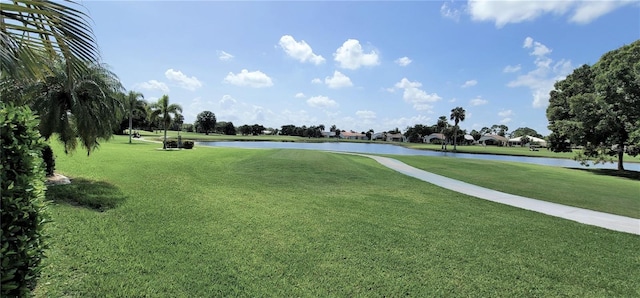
[596,189]
[517,151]
[213,222]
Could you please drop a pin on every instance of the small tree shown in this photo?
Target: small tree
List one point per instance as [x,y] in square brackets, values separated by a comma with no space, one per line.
[457,115]
[524,140]
[206,122]
[163,110]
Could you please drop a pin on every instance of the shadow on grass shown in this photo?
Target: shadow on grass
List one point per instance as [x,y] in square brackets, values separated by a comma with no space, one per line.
[96,195]
[633,175]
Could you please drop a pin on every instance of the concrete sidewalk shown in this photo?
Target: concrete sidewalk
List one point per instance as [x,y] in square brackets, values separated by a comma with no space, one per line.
[585,216]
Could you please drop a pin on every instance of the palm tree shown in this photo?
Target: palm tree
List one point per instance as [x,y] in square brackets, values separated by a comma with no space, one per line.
[32,31]
[457,115]
[442,125]
[163,110]
[133,102]
[86,107]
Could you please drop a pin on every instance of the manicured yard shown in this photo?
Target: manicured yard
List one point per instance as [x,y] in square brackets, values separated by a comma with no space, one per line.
[230,222]
[596,189]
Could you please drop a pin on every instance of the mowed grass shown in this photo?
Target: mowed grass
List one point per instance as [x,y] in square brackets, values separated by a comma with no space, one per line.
[516,151]
[595,189]
[213,222]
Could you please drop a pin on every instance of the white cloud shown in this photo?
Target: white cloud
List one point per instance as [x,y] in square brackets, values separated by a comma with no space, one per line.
[469,83]
[321,102]
[338,80]
[316,81]
[541,79]
[404,61]
[299,95]
[505,113]
[418,97]
[300,51]
[369,115]
[227,102]
[505,120]
[404,121]
[189,83]
[588,11]
[509,68]
[351,56]
[254,79]
[506,12]
[224,56]
[538,48]
[153,85]
[478,101]
[450,13]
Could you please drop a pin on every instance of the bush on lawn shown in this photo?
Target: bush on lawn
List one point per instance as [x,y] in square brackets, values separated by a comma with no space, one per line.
[22,205]
[187,145]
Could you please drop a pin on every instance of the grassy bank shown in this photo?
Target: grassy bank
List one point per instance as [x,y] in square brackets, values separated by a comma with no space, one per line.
[596,189]
[230,222]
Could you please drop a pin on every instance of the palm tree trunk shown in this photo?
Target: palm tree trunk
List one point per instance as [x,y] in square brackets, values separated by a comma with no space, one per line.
[455,140]
[620,156]
[164,143]
[130,126]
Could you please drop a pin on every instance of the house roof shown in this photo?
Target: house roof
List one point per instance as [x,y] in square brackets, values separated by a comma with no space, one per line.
[469,138]
[346,134]
[493,137]
[435,136]
[531,138]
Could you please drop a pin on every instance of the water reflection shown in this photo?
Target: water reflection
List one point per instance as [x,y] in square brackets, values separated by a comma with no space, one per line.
[399,150]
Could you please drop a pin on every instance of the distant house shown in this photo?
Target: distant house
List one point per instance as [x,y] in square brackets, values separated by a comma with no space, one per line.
[329,134]
[433,138]
[532,140]
[395,137]
[493,140]
[468,139]
[350,135]
[377,136]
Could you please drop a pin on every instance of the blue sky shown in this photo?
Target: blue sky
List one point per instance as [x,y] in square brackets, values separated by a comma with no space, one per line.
[358,65]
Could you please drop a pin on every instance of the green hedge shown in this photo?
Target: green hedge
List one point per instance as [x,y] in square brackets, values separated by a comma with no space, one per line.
[23,209]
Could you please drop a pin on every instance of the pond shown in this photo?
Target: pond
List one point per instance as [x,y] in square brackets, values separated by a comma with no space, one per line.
[368,148]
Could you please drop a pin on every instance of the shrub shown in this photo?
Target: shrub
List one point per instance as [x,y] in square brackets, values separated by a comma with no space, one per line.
[49,160]
[187,144]
[172,144]
[22,202]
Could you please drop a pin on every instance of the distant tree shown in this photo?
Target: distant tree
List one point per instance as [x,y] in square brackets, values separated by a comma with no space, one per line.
[162,110]
[524,140]
[457,115]
[219,128]
[476,134]
[257,129]
[245,130]
[133,101]
[337,131]
[333,128]
[205,122]
[288,130]
[486,130]
[176,122]
[229,129]
[442,125]
[369,133]
[598,107]
[525,131]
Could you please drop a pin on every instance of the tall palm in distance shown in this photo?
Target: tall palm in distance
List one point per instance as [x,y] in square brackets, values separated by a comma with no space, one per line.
[134,101]
[457,115]
[163,110]
[442,125]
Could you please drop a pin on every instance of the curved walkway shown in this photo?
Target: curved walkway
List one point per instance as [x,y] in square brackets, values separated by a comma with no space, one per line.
[585,216]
